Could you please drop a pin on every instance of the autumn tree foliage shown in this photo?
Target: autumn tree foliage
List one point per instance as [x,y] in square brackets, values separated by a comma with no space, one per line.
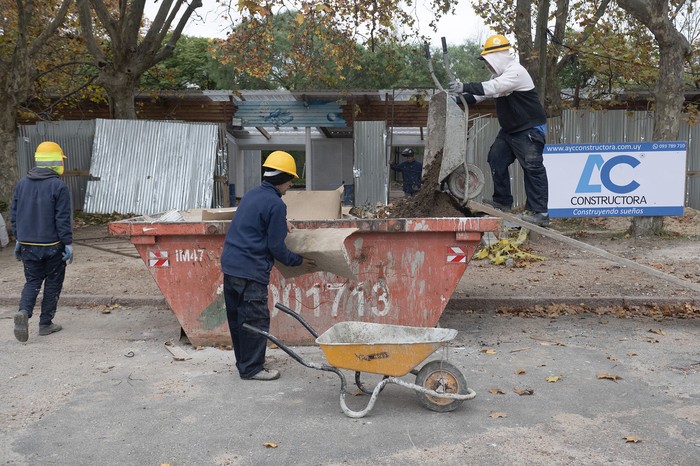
[323,42]
[26,30]
[127,48]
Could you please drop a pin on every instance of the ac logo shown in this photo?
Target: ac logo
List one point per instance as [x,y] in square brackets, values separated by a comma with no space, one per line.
[596,162]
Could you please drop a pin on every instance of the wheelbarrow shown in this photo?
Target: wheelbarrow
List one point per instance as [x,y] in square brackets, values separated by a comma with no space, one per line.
[388,350]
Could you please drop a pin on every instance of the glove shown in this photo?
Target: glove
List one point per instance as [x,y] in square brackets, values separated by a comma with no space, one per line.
[68,254]
[18,251]
[456,87]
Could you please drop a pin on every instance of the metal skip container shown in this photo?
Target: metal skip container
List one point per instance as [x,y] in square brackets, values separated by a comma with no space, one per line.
[405,273]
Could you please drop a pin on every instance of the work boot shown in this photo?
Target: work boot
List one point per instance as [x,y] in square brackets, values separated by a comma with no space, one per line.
[22,325]
[266,374]
[496,205]
[49,329]
[538,218]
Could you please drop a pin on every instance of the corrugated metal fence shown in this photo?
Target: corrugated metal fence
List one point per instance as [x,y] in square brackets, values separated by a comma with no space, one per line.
[171,160]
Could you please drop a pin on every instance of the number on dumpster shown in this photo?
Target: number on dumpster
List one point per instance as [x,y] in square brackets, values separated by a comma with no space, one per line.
[189,255]
[361,300]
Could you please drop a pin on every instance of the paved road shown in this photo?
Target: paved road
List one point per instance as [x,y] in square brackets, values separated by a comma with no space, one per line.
[106,391]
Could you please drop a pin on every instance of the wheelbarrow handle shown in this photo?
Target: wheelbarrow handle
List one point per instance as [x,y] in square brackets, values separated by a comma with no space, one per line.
[297,357]
[301,320]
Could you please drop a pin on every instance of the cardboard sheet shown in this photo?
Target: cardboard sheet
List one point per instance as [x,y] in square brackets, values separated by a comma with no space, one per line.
[313,205]
[325,246]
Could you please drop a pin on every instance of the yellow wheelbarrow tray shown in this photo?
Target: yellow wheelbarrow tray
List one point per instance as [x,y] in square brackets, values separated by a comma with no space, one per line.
[389,350]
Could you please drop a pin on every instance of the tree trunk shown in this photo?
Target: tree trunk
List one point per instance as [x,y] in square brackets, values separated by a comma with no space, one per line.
[121,100]
[669,92]
[8,154]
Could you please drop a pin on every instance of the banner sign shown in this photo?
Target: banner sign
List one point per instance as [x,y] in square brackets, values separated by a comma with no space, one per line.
[616,179]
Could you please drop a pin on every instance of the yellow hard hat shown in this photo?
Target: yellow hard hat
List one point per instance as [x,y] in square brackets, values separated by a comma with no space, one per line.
[495,43]
[282,161]
[50,155]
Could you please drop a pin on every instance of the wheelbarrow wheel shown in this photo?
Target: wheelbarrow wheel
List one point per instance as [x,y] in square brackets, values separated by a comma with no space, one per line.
[441,377]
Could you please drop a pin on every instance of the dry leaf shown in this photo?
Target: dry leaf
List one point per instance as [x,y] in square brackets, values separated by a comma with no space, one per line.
[652,340]
[657,331]
[488,351]
[520,371]
[496,391]
[553,378]
[612,358]
[519,349]
[270,445]
[631,354]
[613,377]
[497,414]
[523,392]
[631,439]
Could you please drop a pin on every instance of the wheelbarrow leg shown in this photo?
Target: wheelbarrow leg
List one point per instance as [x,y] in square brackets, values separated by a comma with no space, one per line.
[361,386]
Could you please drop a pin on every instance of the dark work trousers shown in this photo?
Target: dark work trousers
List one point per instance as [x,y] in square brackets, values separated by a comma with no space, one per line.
[527,147]
[246,303]
[42,264]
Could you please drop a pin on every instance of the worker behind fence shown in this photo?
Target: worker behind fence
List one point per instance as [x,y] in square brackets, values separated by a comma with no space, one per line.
[412,172]
[253,242]
[41,220]
[523,128]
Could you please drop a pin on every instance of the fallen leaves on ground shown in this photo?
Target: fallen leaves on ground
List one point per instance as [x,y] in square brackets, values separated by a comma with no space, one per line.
[553,378]
[524,391]
[613,377]
[509,248]
[657,331]
[497,414]
[497,391]
[488,351]
[631,439]
[656,311]
[270,445]
[520,371]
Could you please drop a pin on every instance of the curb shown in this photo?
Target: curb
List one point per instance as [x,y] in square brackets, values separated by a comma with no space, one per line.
[96,300]
[458,301]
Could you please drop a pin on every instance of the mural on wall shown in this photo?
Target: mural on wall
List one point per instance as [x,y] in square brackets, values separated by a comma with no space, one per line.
[290,113]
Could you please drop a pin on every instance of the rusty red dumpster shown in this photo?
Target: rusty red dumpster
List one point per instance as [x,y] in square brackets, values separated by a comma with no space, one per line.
[406,271]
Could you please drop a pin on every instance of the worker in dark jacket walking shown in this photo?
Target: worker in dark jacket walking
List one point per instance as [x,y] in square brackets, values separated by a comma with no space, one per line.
[523,128]
[253,242]
[412,172]
[41,219]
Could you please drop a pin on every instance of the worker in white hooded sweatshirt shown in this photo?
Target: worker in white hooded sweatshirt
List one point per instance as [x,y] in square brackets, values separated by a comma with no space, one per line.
[523,128]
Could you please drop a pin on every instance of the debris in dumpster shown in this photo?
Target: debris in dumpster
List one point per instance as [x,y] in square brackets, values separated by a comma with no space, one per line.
[165,217]
[178,353]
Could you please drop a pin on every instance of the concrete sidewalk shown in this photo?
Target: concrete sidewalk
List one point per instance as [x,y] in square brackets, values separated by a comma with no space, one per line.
[106,390]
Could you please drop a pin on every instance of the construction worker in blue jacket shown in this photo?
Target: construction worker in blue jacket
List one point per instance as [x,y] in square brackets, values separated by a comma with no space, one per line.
[411,170]
[253,243]
[41,219]
[523,128]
